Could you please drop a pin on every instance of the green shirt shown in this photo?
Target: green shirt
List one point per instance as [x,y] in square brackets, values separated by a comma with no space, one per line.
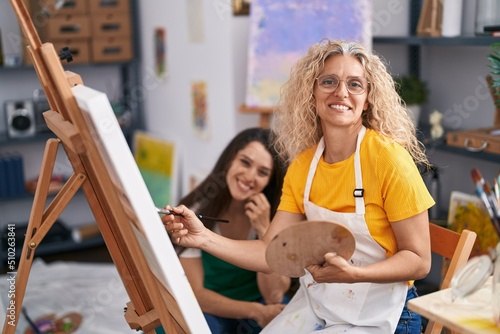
[229,280]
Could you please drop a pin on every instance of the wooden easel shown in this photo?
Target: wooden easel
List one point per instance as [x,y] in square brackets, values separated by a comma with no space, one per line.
[151,303]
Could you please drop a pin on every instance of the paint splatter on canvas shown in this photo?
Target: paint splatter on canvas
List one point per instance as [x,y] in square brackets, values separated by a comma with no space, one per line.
[282,31]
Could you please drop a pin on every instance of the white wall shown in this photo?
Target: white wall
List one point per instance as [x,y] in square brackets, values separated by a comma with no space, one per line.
[454,74]
[220,61]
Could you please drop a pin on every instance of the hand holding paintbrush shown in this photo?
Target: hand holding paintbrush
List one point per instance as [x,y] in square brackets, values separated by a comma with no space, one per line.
[201,217]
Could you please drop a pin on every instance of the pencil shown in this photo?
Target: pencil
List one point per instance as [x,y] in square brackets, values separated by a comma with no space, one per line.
[201,217]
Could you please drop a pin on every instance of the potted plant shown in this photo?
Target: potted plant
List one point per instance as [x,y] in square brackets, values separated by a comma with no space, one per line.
[414,92]
[493,79]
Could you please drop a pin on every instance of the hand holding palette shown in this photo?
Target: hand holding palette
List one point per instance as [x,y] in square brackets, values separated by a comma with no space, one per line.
[306,243]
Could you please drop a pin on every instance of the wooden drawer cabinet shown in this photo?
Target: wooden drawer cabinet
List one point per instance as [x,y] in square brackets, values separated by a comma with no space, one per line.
[67,26]
[95,31]
[111,49]
[111,25]
[55,7]
[115,6]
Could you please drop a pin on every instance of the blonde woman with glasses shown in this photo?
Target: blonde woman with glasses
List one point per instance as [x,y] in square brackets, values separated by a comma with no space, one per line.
[354,156]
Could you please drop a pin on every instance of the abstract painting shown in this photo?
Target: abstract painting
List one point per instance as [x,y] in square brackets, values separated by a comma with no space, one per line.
[468,212]
[282,31]
[199,108]
[156,159]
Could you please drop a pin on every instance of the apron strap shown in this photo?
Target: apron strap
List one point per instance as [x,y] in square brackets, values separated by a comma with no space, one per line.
[312,168]
[359,191]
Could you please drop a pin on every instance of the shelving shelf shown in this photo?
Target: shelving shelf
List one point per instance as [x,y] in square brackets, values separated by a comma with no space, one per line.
[485,156]
[40,137]
[54,248]
[414,44]
[441,146]
[127,74]
[438,41]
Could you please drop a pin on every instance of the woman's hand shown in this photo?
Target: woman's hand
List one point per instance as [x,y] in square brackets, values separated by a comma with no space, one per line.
[184,227]
[265,313]
[258,211]
[412,261]
[335,269]
[273,287]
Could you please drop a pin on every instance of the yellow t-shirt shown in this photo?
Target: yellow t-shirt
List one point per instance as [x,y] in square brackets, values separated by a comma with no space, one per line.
[393,187]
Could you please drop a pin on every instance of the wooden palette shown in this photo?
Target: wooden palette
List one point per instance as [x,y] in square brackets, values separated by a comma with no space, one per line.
[49,323]
[299,246]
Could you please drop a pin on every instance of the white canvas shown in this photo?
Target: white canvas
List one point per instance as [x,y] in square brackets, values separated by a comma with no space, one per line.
[151,233]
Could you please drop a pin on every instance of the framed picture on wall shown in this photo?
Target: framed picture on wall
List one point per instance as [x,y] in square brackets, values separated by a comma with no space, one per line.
[157,162]
[241,7]
[275,43]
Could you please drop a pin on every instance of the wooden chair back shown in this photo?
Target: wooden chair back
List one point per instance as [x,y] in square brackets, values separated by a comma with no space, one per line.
[455,247]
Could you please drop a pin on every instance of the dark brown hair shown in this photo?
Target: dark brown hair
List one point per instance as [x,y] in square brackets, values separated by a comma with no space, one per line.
[212,195]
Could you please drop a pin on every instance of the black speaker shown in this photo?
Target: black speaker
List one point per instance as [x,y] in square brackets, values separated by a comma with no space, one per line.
[40,105]
[20,118]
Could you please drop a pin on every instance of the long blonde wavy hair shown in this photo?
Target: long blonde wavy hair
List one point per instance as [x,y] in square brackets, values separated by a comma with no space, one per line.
[297,124]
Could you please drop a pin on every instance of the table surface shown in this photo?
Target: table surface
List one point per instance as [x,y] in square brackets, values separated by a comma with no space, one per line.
[469,315]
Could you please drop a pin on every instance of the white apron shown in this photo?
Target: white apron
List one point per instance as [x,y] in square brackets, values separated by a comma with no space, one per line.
[343,307]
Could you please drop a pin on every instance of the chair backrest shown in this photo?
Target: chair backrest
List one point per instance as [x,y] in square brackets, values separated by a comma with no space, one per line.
[455,247]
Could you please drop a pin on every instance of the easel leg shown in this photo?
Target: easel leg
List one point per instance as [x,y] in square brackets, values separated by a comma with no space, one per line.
[39,224]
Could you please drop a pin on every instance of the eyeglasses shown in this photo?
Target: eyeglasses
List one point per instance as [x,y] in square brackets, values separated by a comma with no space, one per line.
[328,83]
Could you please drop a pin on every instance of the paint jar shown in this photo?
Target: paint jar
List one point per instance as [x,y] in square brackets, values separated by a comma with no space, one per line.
[487,15]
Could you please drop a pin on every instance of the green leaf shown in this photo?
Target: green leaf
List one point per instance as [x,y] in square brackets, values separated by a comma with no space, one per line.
[411,89]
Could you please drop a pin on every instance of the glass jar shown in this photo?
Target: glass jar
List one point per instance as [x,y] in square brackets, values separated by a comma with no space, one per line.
[487,14]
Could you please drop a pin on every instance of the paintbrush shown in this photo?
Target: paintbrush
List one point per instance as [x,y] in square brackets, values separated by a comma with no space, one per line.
[496,188]
[492,199]
[486,191]
[480,185]
[479,182]
[201,217]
